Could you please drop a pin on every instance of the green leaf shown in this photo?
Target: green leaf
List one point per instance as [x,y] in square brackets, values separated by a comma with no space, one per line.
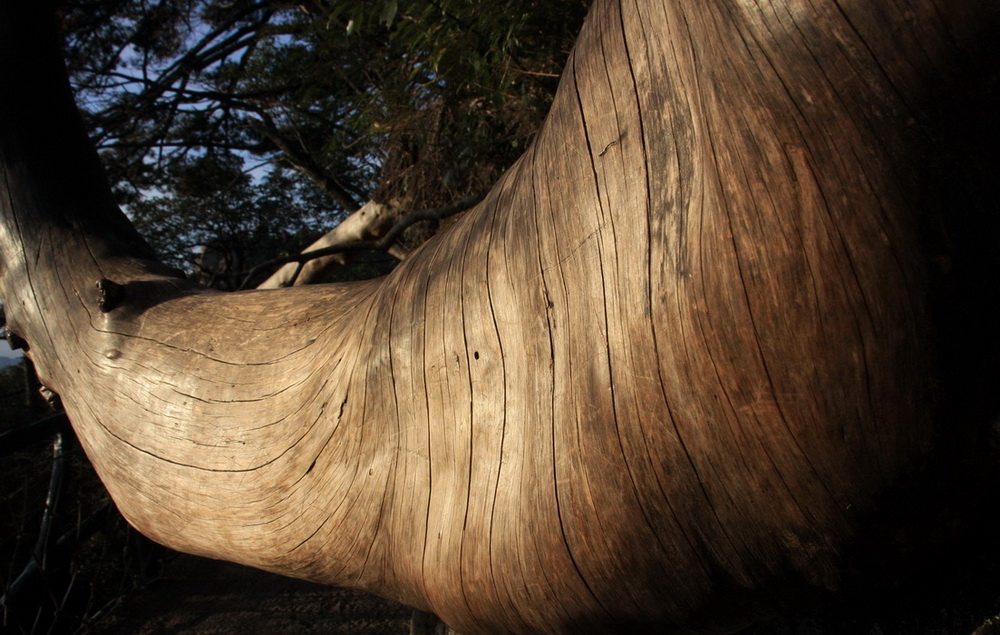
[389,12]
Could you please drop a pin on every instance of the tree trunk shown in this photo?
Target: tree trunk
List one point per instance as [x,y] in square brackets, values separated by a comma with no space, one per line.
[658,377]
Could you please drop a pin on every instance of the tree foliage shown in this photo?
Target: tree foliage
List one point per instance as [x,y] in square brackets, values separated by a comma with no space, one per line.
[417,103]
[217,220]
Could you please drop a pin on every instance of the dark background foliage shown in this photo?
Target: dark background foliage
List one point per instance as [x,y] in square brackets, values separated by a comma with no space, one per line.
[244,130]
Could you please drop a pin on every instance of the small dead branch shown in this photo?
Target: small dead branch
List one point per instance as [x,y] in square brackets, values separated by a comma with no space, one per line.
[291,276]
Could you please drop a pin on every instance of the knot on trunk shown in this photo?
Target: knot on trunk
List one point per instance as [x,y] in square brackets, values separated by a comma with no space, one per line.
[15,341]
[109,295]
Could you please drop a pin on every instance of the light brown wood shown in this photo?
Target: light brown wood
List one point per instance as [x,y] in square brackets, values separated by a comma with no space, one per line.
[657,378]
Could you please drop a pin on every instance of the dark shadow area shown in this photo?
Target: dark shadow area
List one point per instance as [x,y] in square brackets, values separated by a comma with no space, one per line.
[930,559]
[196,595]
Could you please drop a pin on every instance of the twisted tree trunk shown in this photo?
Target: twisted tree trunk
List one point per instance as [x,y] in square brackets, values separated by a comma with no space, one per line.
[671,361]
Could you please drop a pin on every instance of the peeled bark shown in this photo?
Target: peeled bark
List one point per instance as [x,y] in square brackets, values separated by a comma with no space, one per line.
[661,373]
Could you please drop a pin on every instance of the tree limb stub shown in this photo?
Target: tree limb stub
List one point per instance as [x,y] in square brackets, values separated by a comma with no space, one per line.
[657,378]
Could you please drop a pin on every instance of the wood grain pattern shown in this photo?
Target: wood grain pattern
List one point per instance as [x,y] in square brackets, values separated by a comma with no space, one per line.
[657,377]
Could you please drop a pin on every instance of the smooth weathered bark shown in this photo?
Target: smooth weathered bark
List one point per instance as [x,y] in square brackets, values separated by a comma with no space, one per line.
[667,366]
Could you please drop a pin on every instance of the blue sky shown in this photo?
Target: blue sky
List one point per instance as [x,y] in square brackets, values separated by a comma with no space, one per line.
[5,350]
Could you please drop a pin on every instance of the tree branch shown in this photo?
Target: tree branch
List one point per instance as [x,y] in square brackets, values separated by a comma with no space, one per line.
[300,159]
[338,242]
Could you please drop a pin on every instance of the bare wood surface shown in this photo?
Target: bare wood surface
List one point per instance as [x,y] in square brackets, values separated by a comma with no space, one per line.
[660,376]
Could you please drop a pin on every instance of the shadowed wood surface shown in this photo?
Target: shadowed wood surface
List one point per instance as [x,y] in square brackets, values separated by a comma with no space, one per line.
[662,375]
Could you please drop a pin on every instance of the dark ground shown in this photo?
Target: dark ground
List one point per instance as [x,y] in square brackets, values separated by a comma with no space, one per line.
[945,580]
[196,595]
[208,597]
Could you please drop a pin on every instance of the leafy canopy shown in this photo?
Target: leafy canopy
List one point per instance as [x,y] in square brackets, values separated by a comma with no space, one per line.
[320,105]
